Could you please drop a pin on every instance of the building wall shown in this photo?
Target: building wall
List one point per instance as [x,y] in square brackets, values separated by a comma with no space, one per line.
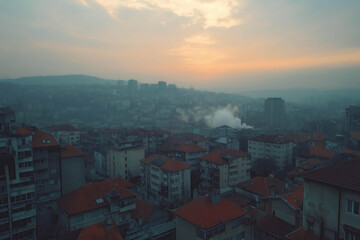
[321,202]
[124,163]
[72,173]
[281,210]
[346,217]
[281,153]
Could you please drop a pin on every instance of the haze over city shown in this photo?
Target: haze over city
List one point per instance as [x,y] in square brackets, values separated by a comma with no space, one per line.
[222,45]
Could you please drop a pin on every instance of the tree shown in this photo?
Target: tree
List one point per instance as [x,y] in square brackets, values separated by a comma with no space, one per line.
[264,166]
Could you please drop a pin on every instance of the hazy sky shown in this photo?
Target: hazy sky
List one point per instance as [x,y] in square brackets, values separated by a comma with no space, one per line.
[228,45]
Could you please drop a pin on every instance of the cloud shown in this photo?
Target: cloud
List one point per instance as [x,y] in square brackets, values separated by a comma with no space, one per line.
[215,13]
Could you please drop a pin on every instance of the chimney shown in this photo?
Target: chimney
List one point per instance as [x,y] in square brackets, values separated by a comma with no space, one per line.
[215,196]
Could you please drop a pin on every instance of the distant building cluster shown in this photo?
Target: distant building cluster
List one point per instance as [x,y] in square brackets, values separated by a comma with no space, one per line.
[180,180]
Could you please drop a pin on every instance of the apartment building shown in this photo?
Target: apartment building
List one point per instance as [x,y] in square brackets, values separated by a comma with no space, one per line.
[66,133]
[17,186]
[124,161]
[72,169]
[278,148]
[46,153]
[223,168]
[210,218]
[165,181]
[93,203]
[331,207]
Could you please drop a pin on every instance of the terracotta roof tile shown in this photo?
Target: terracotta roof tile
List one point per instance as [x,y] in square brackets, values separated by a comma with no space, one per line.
[263,186]
[318,151]
[344,174]
[98,231]
[43,139]
[189,148]
[274,226]
[24,131]
[295,196]
[71,151]
[203,213]
[143,210]
[218,156]
[84,198]
[301,234]
[168,164]
[355,135]
[352,152]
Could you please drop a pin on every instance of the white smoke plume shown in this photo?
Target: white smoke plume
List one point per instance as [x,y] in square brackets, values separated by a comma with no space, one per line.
[225,116]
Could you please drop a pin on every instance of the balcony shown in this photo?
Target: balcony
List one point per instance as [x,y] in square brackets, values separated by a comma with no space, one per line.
[24,214]
[4,235]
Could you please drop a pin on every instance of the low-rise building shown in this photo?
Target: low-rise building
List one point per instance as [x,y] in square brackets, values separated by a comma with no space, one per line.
[278,148]
[210,218]
[332,201]
[165,181]
[124,161]
[66,133]
[223,168]
[93,203]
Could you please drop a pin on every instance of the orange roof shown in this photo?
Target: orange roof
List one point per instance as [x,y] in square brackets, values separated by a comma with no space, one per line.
[189,148]
[203,213]
[98,231]
[43,139]
[218,156]
[84,198]
[71,151]
[88,159]
[309,164]
[143,210]
[295,196]
[301,234]
[24,131]
[319,150]
[355,134]
[262,185]
[168,164]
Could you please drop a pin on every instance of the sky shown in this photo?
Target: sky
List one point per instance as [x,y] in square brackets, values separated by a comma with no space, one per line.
[224,45]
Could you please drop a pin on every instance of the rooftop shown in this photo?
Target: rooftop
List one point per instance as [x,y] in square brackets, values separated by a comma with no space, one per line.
[143,210]
[344,174]
[71,151]
[166,163]
[203,213]
[263,186]
[278,139]
[275,226]
[64,127]
[221,156]
[301,234]
[99,231]
[295,196]
[318,151]
[24,131]
[43,139]
[189,148]
[90,197]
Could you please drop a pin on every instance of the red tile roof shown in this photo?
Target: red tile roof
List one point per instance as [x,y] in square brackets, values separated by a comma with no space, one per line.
[88,159]
[344,174]
[71,151]
[189,148]
[217,156]
[24,131]
[295,197]
[84,198]
[318,151]
[263,186]
[98,231]
[169,164]
[274,226]
[301,234]
[203,213]
[43,139]
[143,210]
[355,153]
[355,135]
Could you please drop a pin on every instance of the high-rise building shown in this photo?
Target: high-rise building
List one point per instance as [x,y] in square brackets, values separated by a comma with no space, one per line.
[17,187]
[352,121]
[133,84]
[275,113]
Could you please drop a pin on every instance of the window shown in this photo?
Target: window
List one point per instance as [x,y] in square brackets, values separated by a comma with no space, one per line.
[353,207]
